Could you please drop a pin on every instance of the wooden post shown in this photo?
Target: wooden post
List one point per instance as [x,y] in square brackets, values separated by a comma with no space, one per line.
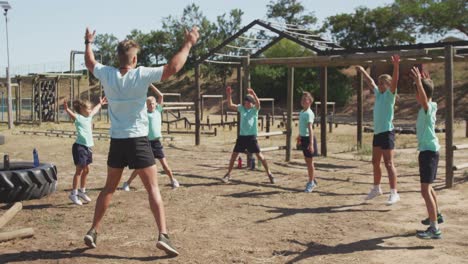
[449,116]
[359,110]
[241,99]
[57,102]
[267,128]
[466,127]
[40,103]
[201,108]
[197,105]
[10,213]
[33,99]
[20,233]
[323,111]
[17,102]
[289,107]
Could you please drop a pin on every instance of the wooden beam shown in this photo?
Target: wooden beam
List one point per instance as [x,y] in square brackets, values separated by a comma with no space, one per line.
[273,133]
[197,104]
[460,167]
[289,103]
[323,110]
[240,94]
[20,233]
[360,112]
[273,148]
[459,147]
[10,213]
[449,116]
[266,47]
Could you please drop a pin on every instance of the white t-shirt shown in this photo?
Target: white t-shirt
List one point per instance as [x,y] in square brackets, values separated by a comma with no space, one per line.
[127,98]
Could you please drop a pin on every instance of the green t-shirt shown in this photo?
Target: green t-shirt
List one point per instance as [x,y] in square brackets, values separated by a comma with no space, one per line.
[305,117]
[425,128]
[84,130]
[248,120]
[383,111]
[154,123]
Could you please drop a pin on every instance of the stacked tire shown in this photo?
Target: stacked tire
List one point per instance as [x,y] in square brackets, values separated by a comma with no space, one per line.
[23,181]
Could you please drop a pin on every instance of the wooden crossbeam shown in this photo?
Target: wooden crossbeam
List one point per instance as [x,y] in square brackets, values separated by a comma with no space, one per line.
[460,167]
[269,134]
[272,148]
[458,147]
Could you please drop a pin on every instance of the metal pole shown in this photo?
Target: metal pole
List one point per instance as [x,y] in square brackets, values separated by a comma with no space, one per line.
[10,103]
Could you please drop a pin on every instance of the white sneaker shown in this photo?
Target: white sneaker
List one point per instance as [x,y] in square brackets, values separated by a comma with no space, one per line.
[175,183]
[74,198]
[126,187]
[393,198]
[84,196]
[374,192]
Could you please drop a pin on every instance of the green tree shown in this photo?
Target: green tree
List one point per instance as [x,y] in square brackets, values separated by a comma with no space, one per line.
[290,12]
[369,28]
[106,46]
[436,16]
[153,46]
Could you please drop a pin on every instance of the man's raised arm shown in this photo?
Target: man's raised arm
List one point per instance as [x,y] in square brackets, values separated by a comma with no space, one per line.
[179,59]
[90,61]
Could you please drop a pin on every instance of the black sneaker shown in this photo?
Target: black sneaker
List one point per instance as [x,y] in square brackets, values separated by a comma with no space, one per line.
[165,244]
[91,238]
[427,221]
[272,179]
[430,233]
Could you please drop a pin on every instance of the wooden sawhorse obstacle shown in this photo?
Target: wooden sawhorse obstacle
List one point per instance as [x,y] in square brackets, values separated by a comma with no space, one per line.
[268,149]
[6,217]
[331,116]
[272,101]
[218,96]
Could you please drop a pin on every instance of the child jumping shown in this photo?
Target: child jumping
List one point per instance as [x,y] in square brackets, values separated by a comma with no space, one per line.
[247,139]
[154,136]
[306,136]
[384,133]
[126,89]
[81,150]
[428,147]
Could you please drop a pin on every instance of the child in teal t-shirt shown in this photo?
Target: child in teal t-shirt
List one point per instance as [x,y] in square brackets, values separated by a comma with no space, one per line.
[306,136]
[383,143]
[154,135]
[81,150]
[428,147]
[247,140]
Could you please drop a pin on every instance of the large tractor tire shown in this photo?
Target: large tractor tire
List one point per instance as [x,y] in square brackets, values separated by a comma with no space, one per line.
[23,181]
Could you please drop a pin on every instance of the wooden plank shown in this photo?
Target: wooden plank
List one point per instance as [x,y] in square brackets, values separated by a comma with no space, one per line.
[449,116]
[274,133]
[460,167]
[179,103]
[10,213]
[273,148]
[20,233]
[212,96]
[458,147]
[360,112]
[177,108]
[323,111]
[197,106]
[289,103]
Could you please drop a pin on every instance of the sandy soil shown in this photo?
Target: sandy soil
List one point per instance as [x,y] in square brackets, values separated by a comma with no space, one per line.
[249,220]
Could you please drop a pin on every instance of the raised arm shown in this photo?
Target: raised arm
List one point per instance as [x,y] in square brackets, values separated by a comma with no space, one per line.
[158,93]
[179,59]
[102,101]
[420,93]
[68,110]
[90,61]
[370,82]
[254,95]
[230,105]
[396,72]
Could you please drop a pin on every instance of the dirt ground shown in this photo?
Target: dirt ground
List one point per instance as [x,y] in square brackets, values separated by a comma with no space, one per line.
[249,220]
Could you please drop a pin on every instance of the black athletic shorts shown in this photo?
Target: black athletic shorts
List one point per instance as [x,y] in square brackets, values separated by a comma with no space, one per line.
[428,162]
[384,140]
[132,152]
[305,141]
[157,149]
[248,143]
[82,155]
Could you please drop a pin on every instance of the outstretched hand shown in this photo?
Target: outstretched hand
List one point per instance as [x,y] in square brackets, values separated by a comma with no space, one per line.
[250,91]
[396,59]
[415,74]
[360,69]
[192,35]
[228,90]
[103,100]
[65,105]
[90,36]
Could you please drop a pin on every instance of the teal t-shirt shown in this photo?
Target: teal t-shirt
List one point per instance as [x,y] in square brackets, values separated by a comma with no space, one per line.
[383,111]
[305,117]
[84,130]
[425,128]
[248,120]
[127,98]
[154,123]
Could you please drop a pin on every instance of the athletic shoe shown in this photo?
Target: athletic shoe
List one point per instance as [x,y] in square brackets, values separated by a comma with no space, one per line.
[374,192]
[83,196]
[226,178]
[427,221]
[91,238]
[175,183]
[309,187]
[165,244]
[393,198]
[315,182]
[74,198]
[272,179]
[429,233]
[126,187]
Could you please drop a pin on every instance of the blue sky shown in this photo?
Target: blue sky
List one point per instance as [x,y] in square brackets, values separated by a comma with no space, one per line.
[44,32]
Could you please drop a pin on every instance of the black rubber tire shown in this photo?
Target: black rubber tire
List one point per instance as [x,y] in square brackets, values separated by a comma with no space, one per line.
[23,181]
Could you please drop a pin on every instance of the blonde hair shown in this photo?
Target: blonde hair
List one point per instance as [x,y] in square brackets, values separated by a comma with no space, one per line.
[308,95]
[80,105]
[385,77]
[124,51]
[150,99]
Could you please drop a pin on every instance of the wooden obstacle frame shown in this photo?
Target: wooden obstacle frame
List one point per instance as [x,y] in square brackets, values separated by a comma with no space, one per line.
[19,233]
[212,96]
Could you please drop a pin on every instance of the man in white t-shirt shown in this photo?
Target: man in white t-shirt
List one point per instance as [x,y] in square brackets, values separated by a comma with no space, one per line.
[126,90]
